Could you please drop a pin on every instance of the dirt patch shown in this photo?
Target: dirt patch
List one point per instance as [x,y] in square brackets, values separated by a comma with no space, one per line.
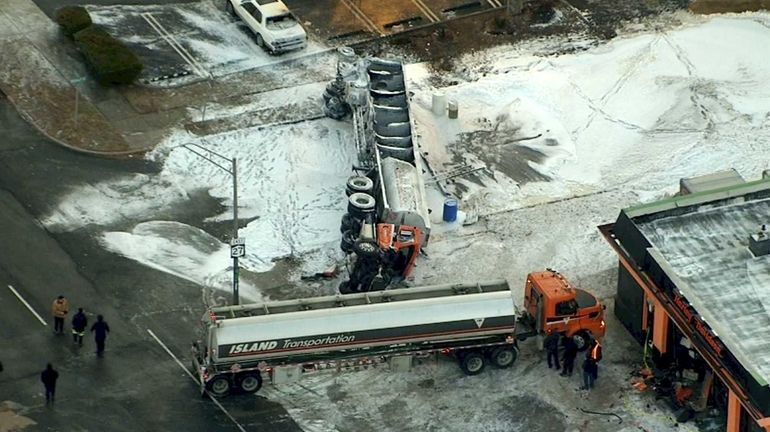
[724,6]
[439,44]
[442,43]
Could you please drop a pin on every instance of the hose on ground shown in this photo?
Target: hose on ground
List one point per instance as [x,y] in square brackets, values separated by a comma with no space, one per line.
[602,413]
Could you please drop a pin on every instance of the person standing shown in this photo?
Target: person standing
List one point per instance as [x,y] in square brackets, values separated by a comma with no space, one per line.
[100,330]
[59,310]
[570,352]
[551,345]
[49,377]
[595,352]
[589,373]
[79,324]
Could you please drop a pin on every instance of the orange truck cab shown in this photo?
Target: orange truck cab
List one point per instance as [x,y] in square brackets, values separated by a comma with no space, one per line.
[401,246]
[551,303]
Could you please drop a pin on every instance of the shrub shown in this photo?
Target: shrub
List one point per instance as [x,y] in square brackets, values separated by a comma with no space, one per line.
[110,61]
[72,19]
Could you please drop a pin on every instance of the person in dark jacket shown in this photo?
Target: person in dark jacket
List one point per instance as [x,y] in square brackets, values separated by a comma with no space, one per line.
[551,345]
[79,324]
[49,377]
[589,373]
[570,352]
[100,330]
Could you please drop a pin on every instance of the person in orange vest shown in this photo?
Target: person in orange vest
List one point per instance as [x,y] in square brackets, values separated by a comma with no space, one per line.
[591,365]
[595,351]
[59,310]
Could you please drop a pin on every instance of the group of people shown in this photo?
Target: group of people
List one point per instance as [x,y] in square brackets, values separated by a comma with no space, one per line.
[100,328]
[570,351]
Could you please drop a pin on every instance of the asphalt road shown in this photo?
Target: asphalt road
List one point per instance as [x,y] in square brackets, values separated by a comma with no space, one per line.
[136,386]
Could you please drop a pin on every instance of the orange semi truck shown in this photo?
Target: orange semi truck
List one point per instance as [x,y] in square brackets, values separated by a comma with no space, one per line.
[552,303]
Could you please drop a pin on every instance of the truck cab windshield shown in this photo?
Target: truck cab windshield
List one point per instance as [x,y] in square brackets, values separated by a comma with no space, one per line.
[281,22]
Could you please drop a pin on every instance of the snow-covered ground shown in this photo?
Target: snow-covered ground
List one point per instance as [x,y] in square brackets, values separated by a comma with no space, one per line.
[291,182]
[619,124]
[214,42]
[608,127]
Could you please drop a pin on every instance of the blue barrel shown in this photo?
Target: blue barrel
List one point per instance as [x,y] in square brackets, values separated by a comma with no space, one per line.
[450,210]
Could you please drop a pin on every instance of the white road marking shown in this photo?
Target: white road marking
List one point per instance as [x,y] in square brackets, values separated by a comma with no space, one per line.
[169,38]
[426,10]
[21,299]
[495,3]
[362,16]
[187,371]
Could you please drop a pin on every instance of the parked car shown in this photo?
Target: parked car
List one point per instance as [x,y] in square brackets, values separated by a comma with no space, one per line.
[275,27]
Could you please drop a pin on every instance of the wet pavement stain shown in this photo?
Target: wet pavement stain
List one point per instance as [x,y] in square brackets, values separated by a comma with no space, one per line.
[503,151]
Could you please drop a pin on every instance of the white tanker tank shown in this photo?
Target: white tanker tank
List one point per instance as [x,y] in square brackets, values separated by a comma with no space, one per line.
[282,341]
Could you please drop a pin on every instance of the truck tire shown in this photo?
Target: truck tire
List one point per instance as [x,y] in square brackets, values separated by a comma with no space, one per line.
[472,363]
[349,223]
[344,287]
[347,241]
[359,183]
[366,248]
[503,357]
[219,386]
[229,7]
[581,339]
[250,382]
[359,204]
[260,41]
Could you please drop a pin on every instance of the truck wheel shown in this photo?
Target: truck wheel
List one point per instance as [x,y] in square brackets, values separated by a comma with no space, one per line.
[472,363]
[347,242]
[260,41]
[250,382]
[581,340]
[359,204]
[349,223]
[344,287]
[359,183]
[229,7]
[503,357]
[219,386]
[365,248]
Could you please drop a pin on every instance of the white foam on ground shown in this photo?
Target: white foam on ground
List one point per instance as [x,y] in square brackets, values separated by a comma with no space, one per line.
[683,101]
[291,183]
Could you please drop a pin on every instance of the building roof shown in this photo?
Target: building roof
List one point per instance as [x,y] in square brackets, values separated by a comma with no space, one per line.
[701,242]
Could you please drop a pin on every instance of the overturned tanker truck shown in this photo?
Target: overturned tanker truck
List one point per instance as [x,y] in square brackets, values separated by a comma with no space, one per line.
[387,224]
[286,340]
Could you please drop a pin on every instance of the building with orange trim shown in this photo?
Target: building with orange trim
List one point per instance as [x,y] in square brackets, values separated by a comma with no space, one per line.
[694,286]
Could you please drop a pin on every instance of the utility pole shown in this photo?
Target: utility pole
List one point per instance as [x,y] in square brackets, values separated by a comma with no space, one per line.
[75,83]
[237,244]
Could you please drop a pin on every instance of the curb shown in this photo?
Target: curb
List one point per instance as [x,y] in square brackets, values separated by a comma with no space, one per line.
[116,154]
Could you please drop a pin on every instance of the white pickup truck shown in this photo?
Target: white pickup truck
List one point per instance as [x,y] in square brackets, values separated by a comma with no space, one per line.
[276,29]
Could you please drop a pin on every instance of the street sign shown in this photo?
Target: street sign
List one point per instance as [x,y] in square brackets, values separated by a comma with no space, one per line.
[237,247]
